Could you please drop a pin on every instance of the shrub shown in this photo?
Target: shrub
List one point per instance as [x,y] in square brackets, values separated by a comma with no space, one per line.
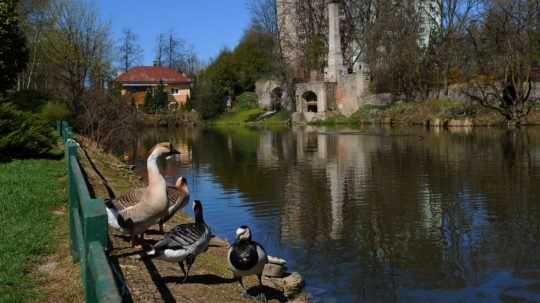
[246,100]
[54,111]
[23,134]
[28,100]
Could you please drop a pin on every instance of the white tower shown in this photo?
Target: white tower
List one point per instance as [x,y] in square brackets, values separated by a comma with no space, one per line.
[335,55]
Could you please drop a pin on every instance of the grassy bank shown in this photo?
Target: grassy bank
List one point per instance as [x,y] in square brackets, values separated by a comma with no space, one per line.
[171,119]
[247,116]
[442,112]
[33,228]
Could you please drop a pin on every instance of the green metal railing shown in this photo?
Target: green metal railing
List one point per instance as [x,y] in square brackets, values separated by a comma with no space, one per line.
[88,229]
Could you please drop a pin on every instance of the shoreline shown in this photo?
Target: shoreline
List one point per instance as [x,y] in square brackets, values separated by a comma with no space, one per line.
[158,281]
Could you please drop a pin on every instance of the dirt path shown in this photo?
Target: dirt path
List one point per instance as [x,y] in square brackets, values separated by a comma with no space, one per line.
[58,277]
[153,280]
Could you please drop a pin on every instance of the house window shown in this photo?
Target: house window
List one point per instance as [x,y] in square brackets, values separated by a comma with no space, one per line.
[174,91]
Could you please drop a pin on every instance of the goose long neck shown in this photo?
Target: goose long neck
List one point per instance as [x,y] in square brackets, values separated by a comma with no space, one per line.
[199,217]
[154,176]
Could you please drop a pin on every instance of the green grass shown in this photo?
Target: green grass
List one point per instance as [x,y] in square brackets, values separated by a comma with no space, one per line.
[280,117]
[29,191]
[243,116]
[238,116]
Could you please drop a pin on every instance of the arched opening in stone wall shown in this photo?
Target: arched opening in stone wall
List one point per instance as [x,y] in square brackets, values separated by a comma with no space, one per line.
[310,99]
[275,98]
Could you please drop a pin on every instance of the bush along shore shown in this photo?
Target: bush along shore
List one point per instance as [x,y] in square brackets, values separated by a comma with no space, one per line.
[432,113]
[178,118]
[152,280]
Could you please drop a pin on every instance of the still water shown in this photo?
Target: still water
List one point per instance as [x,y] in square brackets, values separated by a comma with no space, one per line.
[372,214]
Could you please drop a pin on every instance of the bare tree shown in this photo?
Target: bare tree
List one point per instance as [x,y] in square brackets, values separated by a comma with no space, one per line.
[451,19]
[78,46]
[161,49]
[35,23]
[173,52]
[504,54]
[264,15]
[190,62]
[129,51]
[278,20]
[106,118]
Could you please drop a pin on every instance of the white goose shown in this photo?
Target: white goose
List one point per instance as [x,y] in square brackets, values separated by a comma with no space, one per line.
[184,242]
[246,257]
[134,212]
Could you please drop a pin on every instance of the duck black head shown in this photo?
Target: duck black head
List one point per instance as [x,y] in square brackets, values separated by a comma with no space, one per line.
[198,211]
[243,233]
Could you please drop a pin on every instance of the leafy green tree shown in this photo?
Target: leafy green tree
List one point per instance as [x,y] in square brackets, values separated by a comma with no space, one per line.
[208,98]
[253,58]
[13,51]
[156,99]
[233,72]
[161,96]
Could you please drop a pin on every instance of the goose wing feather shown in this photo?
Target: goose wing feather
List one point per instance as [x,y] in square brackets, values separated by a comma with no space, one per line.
[128,199]
[184,236]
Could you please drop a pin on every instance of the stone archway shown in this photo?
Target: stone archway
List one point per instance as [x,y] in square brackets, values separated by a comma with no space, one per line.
[310,100]
[276,96]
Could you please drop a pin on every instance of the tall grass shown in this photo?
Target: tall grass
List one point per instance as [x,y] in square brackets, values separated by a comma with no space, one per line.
[29,191]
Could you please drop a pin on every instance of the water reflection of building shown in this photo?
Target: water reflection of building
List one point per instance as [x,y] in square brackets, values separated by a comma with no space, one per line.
[340,163]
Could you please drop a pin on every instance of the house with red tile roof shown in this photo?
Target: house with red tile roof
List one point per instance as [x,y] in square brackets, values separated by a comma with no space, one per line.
[140,79]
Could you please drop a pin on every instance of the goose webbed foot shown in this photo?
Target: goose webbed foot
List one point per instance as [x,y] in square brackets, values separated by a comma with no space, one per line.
[137,241]
[261,297]
[244,293]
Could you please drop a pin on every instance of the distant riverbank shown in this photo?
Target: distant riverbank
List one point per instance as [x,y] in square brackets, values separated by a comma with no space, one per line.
[170,119]
[432,113]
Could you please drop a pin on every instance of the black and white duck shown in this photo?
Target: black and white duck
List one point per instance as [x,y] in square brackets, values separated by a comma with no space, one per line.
[246,257]
[184,242]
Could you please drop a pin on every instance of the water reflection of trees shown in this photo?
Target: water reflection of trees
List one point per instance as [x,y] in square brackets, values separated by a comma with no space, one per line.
[403,209]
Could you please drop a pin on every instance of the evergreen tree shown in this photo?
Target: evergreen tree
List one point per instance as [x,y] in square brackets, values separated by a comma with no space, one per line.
[13,51]
[161,97]
[149,105]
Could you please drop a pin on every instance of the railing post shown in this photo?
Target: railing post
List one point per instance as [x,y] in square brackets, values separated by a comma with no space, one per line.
[95,230]
[59,127]
[71,149]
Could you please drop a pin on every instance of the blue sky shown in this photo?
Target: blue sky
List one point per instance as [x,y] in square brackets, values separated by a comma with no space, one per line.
[209,25]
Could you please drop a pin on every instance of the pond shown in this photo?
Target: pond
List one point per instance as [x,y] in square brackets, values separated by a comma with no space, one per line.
[374,214]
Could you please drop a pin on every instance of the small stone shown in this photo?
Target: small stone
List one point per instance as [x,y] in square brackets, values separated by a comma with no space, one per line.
[48,267]
[274,270]
[292,284]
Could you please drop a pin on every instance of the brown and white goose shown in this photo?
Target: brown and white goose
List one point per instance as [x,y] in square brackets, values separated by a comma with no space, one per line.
[177,199]
[134,212]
